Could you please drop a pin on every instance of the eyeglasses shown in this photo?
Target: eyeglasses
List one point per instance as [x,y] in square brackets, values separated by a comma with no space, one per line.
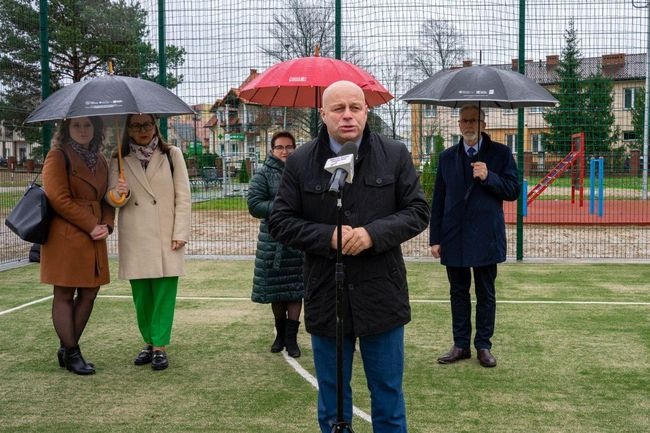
[146,126]
[284,148]
[468,121]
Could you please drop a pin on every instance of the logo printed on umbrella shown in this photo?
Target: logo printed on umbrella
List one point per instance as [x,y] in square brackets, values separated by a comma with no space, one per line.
[297,79]
[99,105]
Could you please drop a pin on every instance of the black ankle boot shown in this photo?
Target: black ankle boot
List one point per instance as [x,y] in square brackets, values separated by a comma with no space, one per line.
[280,328]
[291,341]
[75,363]
[60,354]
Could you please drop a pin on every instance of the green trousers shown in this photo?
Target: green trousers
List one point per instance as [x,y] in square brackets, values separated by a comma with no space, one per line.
[155,300]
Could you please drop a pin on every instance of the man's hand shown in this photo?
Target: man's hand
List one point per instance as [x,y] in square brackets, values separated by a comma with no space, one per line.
[356,241]
[435,251]
[480,170]
[344,230]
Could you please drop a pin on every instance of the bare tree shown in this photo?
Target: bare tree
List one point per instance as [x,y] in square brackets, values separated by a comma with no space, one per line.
[440,47]
[301,27]
[394,75]
[298,31]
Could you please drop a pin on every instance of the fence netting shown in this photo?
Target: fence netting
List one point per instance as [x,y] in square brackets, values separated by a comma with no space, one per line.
[592,54]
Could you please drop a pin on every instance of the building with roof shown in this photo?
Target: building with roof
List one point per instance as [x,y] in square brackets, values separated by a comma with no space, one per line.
[627,71]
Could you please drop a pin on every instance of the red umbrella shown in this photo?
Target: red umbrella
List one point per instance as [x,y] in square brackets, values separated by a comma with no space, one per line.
[300,83]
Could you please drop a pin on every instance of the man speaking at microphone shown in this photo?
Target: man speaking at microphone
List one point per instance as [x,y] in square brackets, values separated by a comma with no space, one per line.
[382,207]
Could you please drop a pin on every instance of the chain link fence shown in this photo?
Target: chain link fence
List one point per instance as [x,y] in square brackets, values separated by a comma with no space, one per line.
[590,53]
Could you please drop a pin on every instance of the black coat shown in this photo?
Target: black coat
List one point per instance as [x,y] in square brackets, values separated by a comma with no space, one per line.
[386,199]
[470,227]
[278,268]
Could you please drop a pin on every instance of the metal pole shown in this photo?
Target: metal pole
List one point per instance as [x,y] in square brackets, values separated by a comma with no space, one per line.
[520,133]
[647,109]
[46,131]
[162,58]
[337,29]
[646,117]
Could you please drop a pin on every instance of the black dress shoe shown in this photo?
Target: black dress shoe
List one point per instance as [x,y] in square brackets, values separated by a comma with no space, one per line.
[145,355]
[485,358]
[455,354]
[159,360]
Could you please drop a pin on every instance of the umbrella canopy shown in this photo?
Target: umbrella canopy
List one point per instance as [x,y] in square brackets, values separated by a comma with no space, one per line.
[479,84]
[300,83]
[107,96]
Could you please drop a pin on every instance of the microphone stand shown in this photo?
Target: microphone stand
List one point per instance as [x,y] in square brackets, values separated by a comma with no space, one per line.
[341,425]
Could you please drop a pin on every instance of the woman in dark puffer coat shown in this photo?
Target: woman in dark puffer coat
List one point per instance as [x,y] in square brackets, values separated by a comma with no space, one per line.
[278,268]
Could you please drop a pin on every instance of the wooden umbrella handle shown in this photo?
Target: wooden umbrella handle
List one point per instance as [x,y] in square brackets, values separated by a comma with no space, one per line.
[119,200]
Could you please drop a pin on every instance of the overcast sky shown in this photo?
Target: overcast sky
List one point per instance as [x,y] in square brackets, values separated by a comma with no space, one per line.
[223,38]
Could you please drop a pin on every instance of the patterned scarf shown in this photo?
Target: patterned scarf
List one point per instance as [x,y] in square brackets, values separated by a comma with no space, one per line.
[143,153]
[89,154]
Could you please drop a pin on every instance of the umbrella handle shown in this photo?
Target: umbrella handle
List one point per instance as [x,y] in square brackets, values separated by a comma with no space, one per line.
[122,198]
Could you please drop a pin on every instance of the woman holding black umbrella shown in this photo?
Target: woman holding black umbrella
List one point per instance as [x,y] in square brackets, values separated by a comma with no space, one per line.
[153,197]
[75,258]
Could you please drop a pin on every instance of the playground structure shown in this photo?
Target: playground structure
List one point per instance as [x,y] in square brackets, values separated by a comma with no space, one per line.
[575,161]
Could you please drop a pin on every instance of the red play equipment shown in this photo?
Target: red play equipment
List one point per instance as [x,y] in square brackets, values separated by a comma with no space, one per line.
[575,160]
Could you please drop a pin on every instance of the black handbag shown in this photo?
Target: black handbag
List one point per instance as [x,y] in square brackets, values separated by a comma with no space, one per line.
[31,217]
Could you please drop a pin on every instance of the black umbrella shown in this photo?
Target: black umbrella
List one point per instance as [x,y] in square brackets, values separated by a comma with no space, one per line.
[482,85]
[109,95]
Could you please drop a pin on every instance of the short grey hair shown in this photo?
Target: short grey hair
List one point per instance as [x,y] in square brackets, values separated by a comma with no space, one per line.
[476,107]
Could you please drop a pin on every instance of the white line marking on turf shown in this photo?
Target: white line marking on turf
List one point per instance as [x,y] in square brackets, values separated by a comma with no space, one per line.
[441,301]
[311,379]
[26,305]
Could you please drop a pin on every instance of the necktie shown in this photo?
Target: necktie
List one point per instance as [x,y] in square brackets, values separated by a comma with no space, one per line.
[471,152]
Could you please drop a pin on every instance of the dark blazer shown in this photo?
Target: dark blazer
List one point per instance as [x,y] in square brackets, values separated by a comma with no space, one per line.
[386,199]
[278,268]
[469,226]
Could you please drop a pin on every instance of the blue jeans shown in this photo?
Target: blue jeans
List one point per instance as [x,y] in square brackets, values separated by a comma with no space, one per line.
[383,363]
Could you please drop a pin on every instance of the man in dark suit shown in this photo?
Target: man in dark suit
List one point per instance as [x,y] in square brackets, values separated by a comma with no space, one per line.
[467,229]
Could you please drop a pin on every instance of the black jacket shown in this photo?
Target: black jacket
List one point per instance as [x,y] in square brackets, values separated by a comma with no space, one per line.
[386,199]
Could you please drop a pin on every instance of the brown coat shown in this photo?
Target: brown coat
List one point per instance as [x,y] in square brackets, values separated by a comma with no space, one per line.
[70,258]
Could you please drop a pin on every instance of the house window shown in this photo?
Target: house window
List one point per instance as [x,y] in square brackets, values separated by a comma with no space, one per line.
[511,142]
[455,112]
[536,110]
[455,139]
[428,144]
[536,143]
[629,95]
[629,136]
[509,111]
[430,110]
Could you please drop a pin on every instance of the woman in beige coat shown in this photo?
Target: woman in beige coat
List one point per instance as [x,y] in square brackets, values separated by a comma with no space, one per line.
[75,258]
[153,226]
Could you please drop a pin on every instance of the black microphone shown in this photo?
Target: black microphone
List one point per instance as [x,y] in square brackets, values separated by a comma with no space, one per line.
[342,167]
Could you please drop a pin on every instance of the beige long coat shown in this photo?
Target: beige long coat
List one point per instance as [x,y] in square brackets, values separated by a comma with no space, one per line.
[70,258]
[156,211]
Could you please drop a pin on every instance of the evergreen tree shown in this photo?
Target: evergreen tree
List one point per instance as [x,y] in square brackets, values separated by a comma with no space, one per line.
[600,132]
[83,36]
[243,172]
[568,117]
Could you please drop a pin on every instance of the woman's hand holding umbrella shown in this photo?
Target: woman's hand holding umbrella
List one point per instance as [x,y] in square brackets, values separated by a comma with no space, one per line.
[122,188]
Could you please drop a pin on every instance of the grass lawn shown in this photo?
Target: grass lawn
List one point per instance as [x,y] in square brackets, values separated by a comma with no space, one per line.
[572,342]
